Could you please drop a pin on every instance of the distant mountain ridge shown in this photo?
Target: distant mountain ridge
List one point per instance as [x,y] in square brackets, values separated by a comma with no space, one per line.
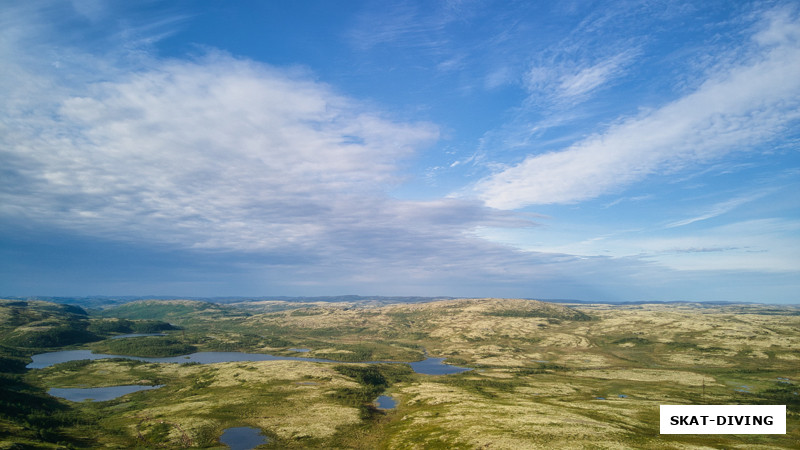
[101,302]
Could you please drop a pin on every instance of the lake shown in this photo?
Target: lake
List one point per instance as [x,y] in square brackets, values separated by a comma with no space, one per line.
[385,402]
[435,366]
[99,394]
[243,438]
[430,366]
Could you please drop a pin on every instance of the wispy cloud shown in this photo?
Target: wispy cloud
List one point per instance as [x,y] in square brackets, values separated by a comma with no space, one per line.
[401,24]
[93,10]
[762,245]
[555,84]
[737,108]
[720,208]
[590,78]
[636,198]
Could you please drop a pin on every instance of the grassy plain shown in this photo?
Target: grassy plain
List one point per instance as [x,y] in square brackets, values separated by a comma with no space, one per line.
[545,375]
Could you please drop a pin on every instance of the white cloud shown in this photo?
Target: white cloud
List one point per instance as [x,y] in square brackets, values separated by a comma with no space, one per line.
[739,107]
[219,152]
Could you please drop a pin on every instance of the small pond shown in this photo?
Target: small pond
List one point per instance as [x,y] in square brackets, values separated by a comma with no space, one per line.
[99,394]
[386,402]
[430,366]
[435,366]
[299,350]
[243,438]
[132,335]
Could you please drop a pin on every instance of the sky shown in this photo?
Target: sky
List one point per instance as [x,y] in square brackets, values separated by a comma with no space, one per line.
[599,151]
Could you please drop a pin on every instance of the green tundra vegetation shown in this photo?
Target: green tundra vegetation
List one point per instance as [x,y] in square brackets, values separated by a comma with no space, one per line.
[544,375]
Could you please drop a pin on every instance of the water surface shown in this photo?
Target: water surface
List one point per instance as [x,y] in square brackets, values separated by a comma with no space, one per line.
[99,394]
[243,438]
[435,366]
[386,402]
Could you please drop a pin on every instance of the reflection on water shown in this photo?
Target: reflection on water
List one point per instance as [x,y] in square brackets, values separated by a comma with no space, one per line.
[430,366]
[243,438]
[99,394]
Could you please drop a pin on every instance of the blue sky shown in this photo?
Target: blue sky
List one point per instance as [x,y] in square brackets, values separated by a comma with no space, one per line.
[632,150]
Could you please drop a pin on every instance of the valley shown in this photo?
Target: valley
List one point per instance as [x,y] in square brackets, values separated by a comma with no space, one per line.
[542,375]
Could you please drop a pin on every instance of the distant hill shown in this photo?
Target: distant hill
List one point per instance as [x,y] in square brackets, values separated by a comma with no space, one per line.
[102,302]
[503,307]
[105,302]
[39,324]
[174,311]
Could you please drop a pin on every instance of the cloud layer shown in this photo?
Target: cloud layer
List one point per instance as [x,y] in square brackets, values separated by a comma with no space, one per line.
[141,173]
[228,155]
[737,108]
[219,152]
